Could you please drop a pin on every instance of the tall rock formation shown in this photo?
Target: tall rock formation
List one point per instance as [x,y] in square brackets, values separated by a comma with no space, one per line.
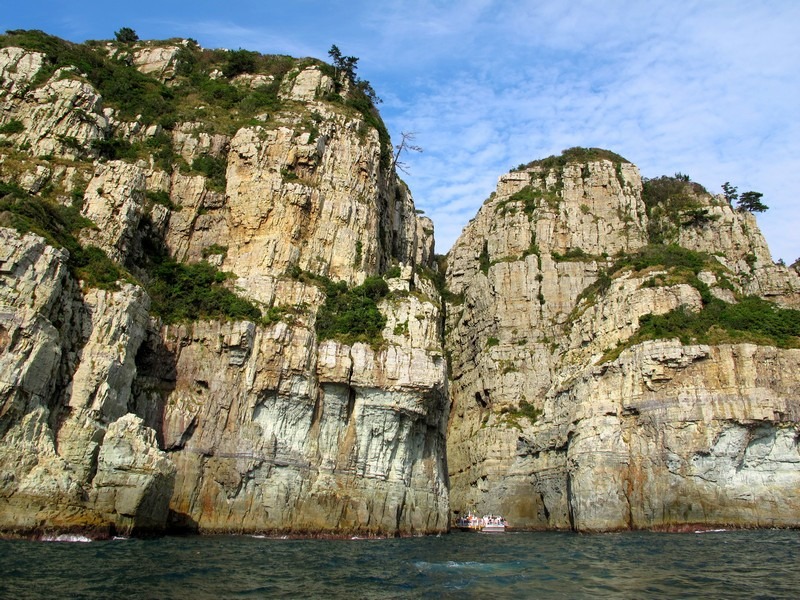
[218,313]
[115,419]
[565,414]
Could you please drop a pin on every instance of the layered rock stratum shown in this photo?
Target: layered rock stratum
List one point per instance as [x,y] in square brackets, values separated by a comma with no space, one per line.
[566,412]
[114,419]
[221,312]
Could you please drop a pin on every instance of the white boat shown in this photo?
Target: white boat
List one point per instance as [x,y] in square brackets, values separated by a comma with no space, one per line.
[484,524]
[493,524]
[469,522]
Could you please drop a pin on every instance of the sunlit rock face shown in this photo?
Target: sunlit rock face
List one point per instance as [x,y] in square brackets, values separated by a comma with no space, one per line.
[115,422]
[553,428]
[528,393]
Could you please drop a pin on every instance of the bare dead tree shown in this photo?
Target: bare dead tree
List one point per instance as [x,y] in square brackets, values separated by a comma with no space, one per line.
[406,145]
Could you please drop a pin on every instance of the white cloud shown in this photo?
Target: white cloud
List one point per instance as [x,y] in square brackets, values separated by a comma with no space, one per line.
[703,88]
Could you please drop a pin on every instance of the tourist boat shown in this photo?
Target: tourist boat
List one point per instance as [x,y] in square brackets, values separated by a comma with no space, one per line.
[493,524]
[485,524]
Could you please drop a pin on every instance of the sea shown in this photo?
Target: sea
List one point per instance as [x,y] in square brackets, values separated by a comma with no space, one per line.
[710,564]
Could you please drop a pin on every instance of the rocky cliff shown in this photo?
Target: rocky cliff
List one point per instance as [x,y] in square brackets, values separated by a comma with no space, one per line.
[264,185]
[613,365]
[220,312]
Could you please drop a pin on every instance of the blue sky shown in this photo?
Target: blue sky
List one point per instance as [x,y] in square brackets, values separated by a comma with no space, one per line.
[708,88]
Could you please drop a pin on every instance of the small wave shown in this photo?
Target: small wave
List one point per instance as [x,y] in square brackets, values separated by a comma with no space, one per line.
[710,530]
[119,538]
[66,537]
[450,564]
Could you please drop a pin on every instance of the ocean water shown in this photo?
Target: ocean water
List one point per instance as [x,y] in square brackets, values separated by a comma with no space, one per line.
[722,564]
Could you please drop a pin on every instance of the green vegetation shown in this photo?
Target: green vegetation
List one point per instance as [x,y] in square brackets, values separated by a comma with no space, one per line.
[492,342]
[531,198]
[120,84]
[193,94]
[162,198]
[748,201]
[213,168]
[573,254]
[401,328]
[239,62]
[576,154]
[751,202]
[359,253]
[352,315]
[525,410]
[200,91]
[188,292]
[483,259]
[59,226]
[751,320]
[214,249]
[13,126]
[361,97]
[126,35]
[284,313]
[682,264]
[393,272]
[179,292]
[671,202]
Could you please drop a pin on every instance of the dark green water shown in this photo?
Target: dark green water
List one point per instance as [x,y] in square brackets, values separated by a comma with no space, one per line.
[739,564]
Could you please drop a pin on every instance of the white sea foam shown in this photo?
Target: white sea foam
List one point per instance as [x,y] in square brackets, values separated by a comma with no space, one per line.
[66,537]
[710,530]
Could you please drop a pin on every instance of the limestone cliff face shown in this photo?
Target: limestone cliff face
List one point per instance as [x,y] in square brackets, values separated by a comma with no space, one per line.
[72,456]
[117,414]
[112,419]
[548,426]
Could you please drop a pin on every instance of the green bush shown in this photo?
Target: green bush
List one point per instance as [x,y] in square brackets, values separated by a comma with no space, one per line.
[576,154]
[113,149]
[160,197]
[213,168]
[126,35]
[751,320]
[120,84]
[667,256]
[188,292]
[214,249]
[573,254]
[393,272]
[352,315]
[483,259]
[239,61]
[670,203]
[13,126]
[58,225]
[92,265]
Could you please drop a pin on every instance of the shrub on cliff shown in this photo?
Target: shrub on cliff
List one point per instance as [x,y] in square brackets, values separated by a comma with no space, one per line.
[750,320]
[188,292]
[352,315]
[58,225]
[120,84]
[576,154]
[671,202]
[126,35]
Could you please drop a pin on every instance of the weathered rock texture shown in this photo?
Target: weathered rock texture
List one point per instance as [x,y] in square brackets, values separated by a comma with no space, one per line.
[71,455]
[112,420]
[549,429]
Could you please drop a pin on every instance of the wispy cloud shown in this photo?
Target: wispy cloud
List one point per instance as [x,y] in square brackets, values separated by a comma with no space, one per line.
[703,88]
